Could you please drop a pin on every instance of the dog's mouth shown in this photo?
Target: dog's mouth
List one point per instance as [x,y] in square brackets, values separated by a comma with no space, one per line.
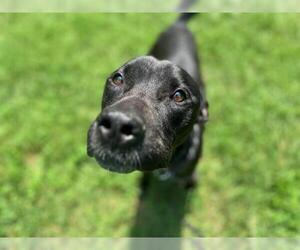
[127,161]
[120,162]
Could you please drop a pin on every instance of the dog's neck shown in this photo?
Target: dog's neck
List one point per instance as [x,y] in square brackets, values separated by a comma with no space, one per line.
[185,156]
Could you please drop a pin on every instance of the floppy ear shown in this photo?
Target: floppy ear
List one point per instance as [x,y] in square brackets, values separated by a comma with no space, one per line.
[203,112]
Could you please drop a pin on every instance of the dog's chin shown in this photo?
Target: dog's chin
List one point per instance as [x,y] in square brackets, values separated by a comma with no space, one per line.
[127,162]
[118,162]
[112,166]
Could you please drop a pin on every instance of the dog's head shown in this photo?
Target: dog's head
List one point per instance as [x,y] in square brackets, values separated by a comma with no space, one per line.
[148,109]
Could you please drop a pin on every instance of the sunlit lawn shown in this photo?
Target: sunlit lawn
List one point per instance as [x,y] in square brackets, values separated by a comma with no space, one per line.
[52,71]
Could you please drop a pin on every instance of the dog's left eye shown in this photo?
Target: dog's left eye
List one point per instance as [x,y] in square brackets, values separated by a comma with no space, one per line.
[117,79]
[179,96]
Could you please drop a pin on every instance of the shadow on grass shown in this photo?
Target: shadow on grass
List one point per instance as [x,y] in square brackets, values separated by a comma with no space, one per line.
[161,210]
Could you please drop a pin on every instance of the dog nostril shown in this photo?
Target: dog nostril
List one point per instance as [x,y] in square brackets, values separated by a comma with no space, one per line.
[127,129]
[105,123]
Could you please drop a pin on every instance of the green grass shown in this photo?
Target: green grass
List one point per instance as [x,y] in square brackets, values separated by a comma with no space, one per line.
[52,71]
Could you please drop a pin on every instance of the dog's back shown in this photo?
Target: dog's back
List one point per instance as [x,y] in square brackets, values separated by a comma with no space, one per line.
[177,44]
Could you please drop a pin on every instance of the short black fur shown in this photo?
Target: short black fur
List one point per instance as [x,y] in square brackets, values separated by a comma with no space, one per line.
[154,109]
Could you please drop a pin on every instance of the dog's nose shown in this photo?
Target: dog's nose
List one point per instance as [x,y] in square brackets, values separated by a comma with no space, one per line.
[120,130]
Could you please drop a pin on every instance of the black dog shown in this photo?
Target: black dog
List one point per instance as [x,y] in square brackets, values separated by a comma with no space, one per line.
[154,109]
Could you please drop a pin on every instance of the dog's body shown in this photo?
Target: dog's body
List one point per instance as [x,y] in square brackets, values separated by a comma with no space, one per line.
[178,46]
[154,109]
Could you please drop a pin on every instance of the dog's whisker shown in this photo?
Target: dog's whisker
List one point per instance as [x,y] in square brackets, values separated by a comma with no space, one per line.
[138,159]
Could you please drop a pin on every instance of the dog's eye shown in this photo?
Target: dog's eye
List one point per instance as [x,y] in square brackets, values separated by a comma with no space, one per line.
[179,96]
[117,79]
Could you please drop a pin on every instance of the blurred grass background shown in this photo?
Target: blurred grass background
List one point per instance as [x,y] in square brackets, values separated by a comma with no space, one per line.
[52,71]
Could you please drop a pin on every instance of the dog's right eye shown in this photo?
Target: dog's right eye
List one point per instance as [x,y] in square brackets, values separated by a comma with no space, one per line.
[117,79]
